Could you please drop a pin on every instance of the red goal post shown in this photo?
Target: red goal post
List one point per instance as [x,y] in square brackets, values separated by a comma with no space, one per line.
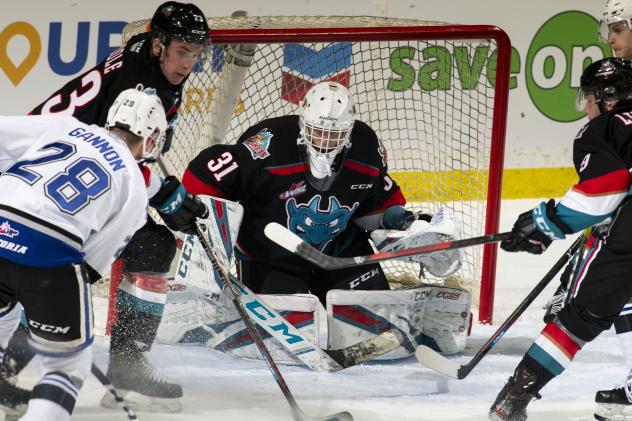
[435,93]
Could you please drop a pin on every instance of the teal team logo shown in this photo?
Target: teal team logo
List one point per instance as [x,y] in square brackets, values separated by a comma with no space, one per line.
[559,52]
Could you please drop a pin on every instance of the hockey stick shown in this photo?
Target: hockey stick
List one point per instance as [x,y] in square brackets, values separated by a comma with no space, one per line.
[438,362]
[298,414]
[293,243]
[297,344]
[120,402]
[578,264]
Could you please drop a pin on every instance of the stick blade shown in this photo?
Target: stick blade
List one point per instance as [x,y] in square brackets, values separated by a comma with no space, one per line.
[435,361]
[282,236]
[367,349]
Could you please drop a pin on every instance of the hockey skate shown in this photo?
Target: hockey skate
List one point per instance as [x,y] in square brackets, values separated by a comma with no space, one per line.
[511,403]
[13,399]
[615,404]
[142,385]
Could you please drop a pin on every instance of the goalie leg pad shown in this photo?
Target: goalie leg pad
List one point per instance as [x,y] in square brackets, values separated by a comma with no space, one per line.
[430,315]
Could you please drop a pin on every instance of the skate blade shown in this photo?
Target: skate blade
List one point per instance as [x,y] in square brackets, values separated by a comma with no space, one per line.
[142,403]
[613,412]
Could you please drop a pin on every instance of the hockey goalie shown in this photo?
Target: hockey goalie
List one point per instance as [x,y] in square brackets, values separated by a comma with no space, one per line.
[323,175]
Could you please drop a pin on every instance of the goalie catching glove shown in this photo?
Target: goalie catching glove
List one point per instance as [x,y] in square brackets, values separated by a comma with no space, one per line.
[535,230]
[443,226]
[178,208]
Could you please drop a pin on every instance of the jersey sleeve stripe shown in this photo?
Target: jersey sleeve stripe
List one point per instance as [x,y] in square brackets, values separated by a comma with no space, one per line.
[195,186]
[613,182]
[577,215]
[361,168]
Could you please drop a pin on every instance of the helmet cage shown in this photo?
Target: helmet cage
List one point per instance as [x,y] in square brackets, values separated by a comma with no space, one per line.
[324,140]
[326,119]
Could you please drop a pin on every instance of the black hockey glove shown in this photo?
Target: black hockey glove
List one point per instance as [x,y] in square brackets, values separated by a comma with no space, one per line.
[536,229]
[527,237]
[177,208]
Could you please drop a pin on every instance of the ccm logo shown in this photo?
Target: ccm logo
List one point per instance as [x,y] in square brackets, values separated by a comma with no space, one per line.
[448,295]
[361,186]
[421,296]
[48,328]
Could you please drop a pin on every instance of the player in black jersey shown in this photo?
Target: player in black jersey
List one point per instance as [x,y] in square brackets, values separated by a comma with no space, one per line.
[602,155]
[159,60]
[323,175]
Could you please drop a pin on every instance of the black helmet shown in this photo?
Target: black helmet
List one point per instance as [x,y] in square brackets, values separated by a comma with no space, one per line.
[180,21]
[608,80]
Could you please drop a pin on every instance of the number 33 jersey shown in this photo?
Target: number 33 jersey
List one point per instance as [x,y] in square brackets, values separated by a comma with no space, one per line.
[266,172]
[71,192]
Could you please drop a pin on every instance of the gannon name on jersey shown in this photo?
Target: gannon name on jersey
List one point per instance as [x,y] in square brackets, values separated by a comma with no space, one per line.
[100,144]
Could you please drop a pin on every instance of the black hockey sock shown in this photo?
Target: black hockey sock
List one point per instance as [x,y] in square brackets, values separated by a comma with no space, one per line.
[134,331]
[18,353]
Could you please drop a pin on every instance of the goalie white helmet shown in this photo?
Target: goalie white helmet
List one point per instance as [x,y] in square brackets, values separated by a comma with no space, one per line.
[326,117]
[140,113]
[615,11]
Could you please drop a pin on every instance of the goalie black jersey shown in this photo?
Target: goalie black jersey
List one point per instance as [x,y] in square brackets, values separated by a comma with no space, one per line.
[265,171]
[602,154]
[89,96]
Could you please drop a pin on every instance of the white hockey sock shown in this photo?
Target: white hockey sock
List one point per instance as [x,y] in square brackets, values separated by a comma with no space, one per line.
[43,409]
[625,340]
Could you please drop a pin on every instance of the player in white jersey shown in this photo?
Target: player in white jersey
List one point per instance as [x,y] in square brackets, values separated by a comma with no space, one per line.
[77,195]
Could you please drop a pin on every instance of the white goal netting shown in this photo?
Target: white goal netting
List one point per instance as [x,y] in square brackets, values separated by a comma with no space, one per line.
[428,89]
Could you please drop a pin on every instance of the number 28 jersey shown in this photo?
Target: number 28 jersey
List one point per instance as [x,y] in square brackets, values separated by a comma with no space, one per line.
[266,173]
[71,192]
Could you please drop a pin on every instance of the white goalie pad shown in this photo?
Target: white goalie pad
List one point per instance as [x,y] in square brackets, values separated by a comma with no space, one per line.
[443,227]
[435,316]
[198,316]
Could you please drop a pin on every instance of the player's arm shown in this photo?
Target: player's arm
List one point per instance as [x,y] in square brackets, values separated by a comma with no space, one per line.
[215,171]
[604,181]
[130,216]
[177,208]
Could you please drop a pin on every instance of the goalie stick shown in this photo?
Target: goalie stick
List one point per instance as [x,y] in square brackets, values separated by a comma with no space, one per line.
[438,362]
[294,244]
[297,413]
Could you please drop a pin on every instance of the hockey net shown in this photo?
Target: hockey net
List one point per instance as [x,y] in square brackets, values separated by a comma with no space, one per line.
[436,95]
